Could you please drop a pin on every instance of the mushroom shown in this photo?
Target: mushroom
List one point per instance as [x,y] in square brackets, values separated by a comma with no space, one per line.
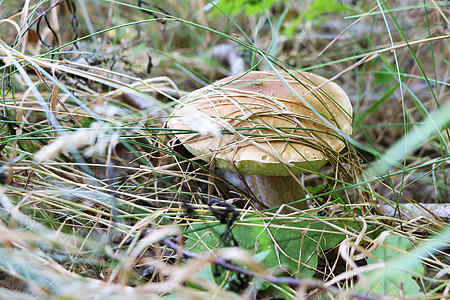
[259,126]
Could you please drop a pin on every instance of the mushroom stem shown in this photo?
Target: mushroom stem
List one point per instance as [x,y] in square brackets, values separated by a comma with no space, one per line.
[277,190]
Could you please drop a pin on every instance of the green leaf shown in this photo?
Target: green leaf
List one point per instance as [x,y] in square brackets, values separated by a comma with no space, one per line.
[394,280]
[320,7]
[317,12]
[315,189]
[294,247]
[290,29]
[250,7]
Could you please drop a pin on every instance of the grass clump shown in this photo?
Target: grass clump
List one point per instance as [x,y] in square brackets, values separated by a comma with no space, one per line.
[98,199]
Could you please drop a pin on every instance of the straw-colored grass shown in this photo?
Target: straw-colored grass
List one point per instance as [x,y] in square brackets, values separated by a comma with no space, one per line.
[98,199]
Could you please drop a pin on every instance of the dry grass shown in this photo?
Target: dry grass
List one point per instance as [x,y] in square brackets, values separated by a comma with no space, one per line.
[94,184]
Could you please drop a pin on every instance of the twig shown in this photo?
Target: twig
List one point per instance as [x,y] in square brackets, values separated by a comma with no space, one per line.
[290,281]
[413,210]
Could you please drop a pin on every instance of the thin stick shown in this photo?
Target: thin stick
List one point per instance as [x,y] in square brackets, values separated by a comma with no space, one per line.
[290,281]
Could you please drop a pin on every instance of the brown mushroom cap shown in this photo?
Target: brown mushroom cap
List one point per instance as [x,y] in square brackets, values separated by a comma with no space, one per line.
[267,128]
